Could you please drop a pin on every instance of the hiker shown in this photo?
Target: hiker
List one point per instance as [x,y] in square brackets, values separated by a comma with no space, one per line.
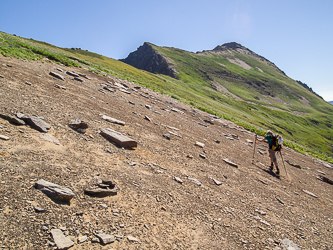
[269,138]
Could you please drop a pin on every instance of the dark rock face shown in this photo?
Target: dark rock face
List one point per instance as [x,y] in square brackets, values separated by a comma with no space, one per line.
[149,59]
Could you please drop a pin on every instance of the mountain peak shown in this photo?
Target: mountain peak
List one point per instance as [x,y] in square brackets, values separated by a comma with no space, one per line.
[231,45]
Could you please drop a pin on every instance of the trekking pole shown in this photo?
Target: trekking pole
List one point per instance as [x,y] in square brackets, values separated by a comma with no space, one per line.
[283,164]
[255,142]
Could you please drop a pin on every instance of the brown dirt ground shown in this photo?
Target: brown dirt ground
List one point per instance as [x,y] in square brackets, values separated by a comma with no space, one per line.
[252,209]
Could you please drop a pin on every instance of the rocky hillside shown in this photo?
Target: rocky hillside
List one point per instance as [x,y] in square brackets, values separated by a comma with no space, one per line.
[98,162]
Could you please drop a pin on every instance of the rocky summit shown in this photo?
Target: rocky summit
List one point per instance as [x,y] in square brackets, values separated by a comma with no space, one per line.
[82,167]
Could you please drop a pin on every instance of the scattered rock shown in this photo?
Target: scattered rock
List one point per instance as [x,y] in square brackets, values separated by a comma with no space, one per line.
[37,123]
[3,137]
[40,210]
[78,79]
[113,120]
[324,179]
[131,238]
[217,182]
[202,156]
[55,191]
[195,181]
[175,134]
[199,144]
[82,239]
[105,238]
[230,163]
[78,124]
[109,89]
[309,193]
[147,118]
[287,244]
[118,138]
[59,86]
[100,191]
[28,83]
[61,240]
[56,75]
[72,74]
[12,119]
[178,180]
[110,183]
[167,136]
[249,141]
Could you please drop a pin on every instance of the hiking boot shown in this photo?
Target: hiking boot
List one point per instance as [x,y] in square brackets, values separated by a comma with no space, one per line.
[277,171]
[271,167]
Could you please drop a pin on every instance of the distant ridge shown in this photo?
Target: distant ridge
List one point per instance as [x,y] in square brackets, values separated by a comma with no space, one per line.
[331,102]
[240,48]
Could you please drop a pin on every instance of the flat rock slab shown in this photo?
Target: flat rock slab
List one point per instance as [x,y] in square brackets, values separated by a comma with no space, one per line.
[50,138]
[72,74]
[309,193]
[12,119]
[37,123]
[61,240]
[3,137]
[287,244]
[56,75]
[217,182]
[324,179]
[100,191]
[54,191]
[178,180]
[105,238]
[195,181]
[118,138]
[113,120]
[230,163]
[199,144]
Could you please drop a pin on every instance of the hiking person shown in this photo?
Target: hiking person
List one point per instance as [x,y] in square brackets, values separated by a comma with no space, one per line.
[269,139]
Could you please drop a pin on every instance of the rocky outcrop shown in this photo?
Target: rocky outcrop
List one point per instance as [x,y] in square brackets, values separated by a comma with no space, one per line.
[147,58]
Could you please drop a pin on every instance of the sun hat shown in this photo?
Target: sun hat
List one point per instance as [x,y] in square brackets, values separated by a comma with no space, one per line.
[269,132]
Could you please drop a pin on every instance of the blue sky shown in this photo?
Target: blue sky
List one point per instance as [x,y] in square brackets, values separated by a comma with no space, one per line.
[296,35]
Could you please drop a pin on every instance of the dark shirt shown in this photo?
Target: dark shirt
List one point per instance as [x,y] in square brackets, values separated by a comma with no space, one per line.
[269,138]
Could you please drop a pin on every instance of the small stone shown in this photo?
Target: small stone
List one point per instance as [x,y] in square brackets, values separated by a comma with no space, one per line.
[61,240]
[309,193]
[147,118]
[82,239]
[178,180]
[199,144]
[202,156]
[217,182]
[28,83]
[104,205]
[105,238]
[132,239]
[230,163]
[195,181]
[3,137]
[56,75]
[40,210]
[167,136]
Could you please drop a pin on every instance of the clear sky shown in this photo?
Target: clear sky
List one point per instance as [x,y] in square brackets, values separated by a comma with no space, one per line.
[296,35]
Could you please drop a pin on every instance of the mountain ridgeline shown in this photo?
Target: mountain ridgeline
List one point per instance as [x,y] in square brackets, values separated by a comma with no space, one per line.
[236,83]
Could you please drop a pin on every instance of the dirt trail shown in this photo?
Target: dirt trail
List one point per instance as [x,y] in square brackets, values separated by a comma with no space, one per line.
[251,209]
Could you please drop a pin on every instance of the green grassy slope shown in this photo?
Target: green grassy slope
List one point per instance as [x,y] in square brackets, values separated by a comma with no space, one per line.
[312,129]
